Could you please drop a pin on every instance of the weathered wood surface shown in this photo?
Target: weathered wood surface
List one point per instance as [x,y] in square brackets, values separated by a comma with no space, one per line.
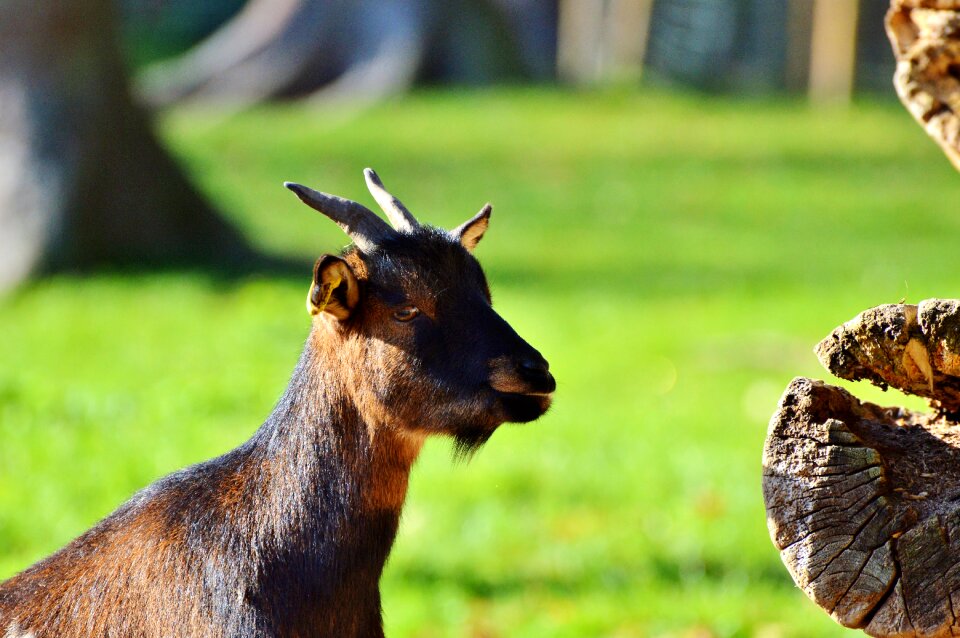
[863,502]
[925,35]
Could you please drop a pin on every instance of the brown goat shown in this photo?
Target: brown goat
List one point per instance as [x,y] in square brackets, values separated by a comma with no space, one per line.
[287,534]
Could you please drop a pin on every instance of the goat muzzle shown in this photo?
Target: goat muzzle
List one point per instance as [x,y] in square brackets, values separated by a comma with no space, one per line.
[528,375]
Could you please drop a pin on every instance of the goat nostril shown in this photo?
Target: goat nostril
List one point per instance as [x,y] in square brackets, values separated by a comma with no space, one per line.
[537,366]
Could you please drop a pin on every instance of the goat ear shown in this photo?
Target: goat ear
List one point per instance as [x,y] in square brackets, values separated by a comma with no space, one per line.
[334,289]
[470,232]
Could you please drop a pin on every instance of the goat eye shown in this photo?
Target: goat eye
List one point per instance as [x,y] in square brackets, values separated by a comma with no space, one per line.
[406,313]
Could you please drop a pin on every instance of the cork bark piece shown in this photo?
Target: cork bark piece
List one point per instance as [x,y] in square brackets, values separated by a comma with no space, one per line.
[863,502]
[925,36]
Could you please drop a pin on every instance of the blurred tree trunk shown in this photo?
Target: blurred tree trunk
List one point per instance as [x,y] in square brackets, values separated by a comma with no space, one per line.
[83,179]
[360,50]
[833,51]
[597,42]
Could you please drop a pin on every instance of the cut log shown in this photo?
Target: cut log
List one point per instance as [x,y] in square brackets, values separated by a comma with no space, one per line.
[863,502]
[925,35]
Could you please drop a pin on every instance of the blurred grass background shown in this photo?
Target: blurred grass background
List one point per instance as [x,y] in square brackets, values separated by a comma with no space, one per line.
[674,256]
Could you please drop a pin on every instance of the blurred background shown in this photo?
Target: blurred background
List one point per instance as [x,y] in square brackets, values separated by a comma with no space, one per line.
[688,195]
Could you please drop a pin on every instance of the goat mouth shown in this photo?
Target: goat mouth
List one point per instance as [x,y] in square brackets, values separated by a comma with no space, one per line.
[529,395]
[538,388]
[547,394]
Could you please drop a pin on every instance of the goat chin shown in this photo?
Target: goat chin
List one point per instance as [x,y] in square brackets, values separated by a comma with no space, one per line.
[524,408]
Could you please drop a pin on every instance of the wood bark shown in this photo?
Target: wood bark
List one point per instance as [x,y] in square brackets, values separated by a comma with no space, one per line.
[925,35]
[863,502]
[83,179]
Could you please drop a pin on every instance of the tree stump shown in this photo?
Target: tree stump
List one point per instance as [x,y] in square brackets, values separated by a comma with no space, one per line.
[925,35]
[862,501]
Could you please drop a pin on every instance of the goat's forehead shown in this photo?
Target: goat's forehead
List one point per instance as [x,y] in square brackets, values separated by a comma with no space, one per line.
[425,259]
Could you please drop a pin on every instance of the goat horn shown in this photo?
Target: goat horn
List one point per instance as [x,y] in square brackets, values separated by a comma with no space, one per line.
[359,222]
[399,216]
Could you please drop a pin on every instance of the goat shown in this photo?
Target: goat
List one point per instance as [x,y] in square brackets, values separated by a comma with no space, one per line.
[287,535]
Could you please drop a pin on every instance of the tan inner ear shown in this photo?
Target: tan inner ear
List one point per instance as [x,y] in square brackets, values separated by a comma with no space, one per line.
[334,289]
[474,233]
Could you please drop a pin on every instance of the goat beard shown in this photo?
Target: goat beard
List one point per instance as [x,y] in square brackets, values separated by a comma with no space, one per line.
[468,440]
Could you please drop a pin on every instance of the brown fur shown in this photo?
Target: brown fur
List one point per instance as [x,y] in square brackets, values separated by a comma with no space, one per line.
[287,535]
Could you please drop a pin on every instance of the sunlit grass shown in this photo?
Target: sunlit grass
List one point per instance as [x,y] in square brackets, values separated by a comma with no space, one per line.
[675,257]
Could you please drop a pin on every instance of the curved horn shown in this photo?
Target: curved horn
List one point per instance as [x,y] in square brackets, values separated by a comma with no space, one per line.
[399,216]
[359,222]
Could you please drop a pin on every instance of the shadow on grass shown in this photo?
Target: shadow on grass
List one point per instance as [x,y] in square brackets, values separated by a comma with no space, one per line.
[226,273]
[659,572]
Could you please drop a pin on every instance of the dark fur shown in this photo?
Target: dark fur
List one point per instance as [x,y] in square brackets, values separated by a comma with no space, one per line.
[287,535]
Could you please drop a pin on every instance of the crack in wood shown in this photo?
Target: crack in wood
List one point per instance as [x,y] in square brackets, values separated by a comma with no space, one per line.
[811,532]
[890,590]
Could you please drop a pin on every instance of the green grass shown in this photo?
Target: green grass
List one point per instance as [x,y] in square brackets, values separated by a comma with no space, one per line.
[675,257]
